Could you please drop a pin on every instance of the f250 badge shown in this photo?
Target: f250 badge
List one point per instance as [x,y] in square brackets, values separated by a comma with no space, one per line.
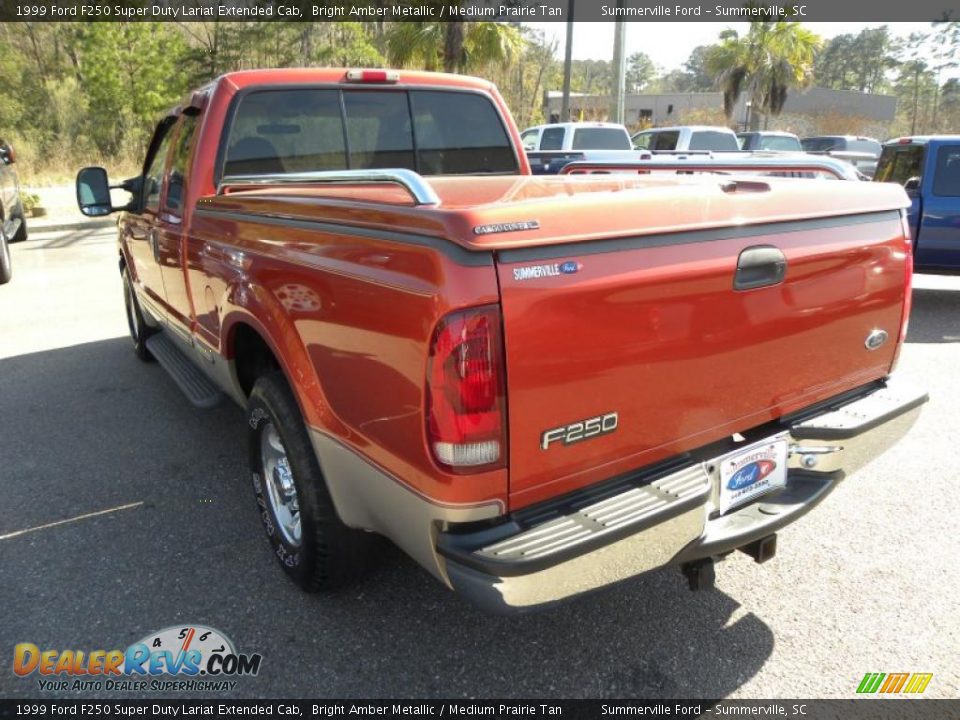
[528,272]
[581,430]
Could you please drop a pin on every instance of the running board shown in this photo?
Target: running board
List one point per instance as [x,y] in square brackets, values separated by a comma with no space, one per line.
[199,389]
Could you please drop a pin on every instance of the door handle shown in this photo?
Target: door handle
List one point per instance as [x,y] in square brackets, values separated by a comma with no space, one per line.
[760,266]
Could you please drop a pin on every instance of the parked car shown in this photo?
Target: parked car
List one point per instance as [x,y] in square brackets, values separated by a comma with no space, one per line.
[861,152]
[550,147]
[769,140]
[13,222]
[928,167]
[687,137]
[534,387]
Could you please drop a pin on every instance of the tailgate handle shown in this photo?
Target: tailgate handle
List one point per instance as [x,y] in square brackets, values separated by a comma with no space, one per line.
[760,266]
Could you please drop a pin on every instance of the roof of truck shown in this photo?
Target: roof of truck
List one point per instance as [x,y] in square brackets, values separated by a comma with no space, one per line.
[284,76]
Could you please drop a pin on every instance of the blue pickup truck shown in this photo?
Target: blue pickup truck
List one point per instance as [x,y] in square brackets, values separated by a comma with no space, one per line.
[928,167]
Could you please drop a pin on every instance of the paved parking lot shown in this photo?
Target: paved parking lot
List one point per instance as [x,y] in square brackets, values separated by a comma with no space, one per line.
[867,583]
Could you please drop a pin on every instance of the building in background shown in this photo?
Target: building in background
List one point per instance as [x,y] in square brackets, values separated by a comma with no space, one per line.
[809,112]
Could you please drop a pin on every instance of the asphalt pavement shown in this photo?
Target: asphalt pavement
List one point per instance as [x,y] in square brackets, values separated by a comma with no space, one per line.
[162,531]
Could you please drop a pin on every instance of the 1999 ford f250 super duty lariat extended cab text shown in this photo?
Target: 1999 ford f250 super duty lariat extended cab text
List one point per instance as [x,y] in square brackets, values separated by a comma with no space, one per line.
[534,386]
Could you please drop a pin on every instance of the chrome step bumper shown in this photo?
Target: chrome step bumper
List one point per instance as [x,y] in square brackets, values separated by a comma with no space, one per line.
[666,515]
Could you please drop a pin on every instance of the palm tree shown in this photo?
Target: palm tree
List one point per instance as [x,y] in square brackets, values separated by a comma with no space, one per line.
[765,63]
[453,46]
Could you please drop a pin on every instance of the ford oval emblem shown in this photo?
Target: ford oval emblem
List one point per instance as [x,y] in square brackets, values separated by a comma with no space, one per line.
[750,474]
[569,268]
[875,339]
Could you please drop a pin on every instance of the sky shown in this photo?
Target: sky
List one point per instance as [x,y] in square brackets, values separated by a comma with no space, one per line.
[669,43]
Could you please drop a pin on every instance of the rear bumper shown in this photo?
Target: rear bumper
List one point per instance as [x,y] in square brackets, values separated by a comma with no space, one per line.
[667,515]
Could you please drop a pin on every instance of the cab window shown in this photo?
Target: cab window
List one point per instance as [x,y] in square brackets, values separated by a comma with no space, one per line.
[180,164]
[153,175]
[946,178]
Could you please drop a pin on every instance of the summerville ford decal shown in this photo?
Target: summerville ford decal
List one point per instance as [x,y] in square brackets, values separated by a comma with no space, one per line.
[529,272]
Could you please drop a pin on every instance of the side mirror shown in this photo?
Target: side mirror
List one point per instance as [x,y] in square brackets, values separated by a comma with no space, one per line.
[7,155]
[93,192]
[912,184]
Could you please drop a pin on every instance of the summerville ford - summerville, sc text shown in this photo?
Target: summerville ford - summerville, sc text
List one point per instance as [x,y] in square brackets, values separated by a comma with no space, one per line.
[747,11]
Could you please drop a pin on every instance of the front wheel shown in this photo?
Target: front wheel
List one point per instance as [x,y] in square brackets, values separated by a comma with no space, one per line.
[313,546]
[139,330]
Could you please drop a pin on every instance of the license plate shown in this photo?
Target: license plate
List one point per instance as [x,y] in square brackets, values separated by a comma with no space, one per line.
[753,471]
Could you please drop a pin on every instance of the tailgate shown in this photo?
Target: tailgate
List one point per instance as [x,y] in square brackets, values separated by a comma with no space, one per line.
[651,328]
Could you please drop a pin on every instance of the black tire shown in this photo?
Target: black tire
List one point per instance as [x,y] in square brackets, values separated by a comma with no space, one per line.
[21,234]
[139,330]
[327,554]
[6,266]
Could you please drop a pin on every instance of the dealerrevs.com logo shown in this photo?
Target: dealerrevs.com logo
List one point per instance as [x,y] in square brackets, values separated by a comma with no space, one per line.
[174,659]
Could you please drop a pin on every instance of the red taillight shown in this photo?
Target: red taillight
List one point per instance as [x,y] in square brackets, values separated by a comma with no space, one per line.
[373,76]
[465,392]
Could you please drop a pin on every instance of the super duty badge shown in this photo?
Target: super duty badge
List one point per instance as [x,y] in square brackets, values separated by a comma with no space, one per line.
[581,430]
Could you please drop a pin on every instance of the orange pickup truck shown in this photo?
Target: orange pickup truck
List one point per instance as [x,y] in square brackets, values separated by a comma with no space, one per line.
[535,386]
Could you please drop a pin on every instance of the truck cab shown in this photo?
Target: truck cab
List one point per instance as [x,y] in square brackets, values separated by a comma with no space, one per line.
[928,168]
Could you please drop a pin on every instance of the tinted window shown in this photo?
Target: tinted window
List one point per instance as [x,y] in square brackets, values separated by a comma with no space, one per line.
[822,144]
[899,163]
[288,131]
[179,163]
[379,130]
[641,141]
[946,178]
[779,142]
[153,177]
[712,140]
[666,141]
[745,141]
[600,139]
[552,139]
[459,134]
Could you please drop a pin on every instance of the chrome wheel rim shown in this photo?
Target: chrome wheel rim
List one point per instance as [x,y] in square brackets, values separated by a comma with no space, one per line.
[278,478]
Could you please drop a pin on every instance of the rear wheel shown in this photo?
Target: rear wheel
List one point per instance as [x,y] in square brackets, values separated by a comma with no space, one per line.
[313,546]
[139,330]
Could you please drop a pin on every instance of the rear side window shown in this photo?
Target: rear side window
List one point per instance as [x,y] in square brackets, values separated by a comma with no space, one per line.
[600,139]
[305,130]
[666,140]
[899,163]
[822,144]
[642,141]
[779,143]
[529,139]
[712,140]
[946,179]
[552,139]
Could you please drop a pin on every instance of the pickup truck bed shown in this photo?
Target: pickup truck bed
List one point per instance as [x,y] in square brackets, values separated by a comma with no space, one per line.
[534,386]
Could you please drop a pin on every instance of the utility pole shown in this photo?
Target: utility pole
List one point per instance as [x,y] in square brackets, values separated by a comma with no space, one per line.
[567,66]
[619,69]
